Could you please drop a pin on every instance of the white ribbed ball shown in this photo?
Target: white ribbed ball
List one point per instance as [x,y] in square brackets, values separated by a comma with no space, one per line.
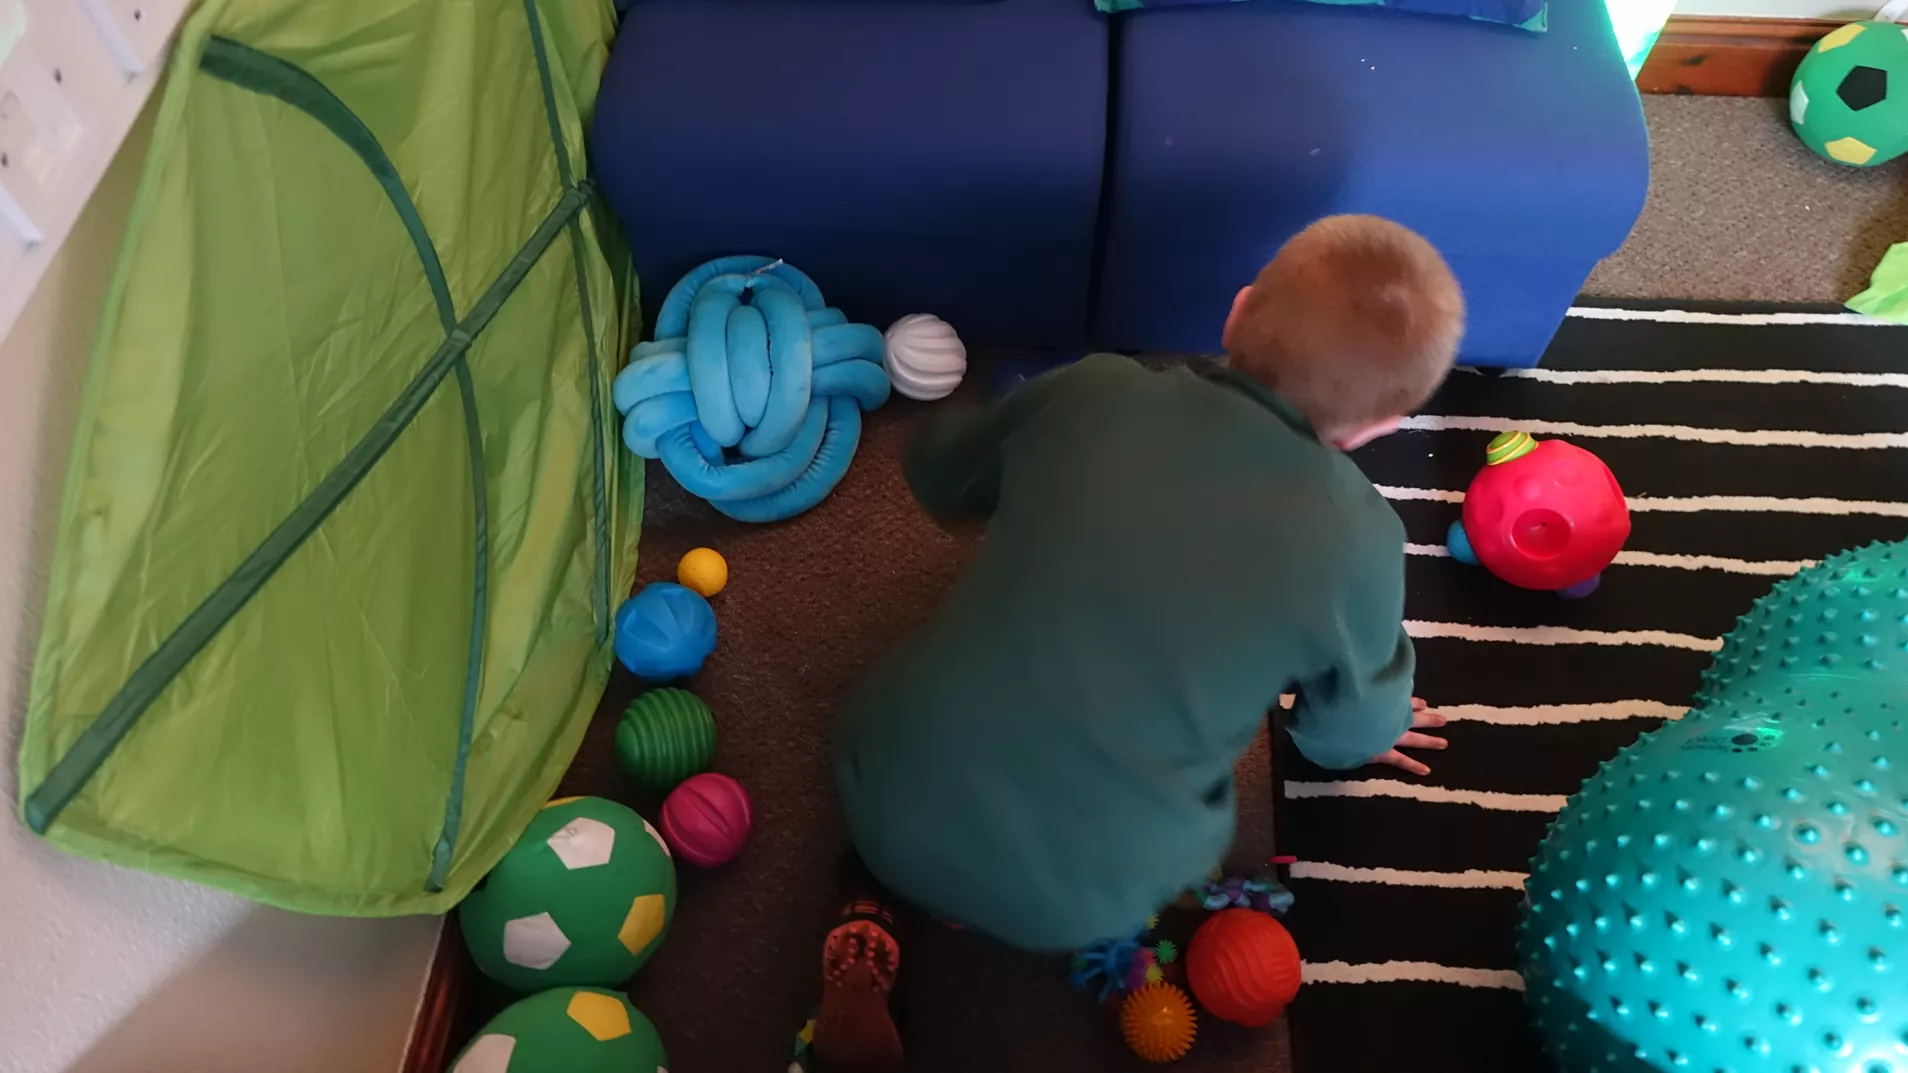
[924,358]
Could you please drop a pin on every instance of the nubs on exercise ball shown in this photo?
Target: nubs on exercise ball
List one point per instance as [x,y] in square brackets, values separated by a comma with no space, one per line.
[1730,891]
[1542,514]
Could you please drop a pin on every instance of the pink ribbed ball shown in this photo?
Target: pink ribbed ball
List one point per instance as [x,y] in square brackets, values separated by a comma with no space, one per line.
[706,819]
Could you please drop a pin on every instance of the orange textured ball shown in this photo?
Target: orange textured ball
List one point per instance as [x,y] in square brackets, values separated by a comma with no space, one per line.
[1158,1022]
[1243,967]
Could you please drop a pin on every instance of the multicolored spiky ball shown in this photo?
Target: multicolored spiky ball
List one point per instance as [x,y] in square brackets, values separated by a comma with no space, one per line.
[1158,1022]
[1730,891]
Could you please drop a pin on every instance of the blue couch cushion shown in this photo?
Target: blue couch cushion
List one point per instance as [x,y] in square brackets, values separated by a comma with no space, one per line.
[1523,157]
[1523,14]
[909,156]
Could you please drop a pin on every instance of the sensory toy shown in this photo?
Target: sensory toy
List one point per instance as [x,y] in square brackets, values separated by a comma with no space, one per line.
[1849,98]
[706,819]
[1243,967]
[1158,1023]
[566,1030]
[665,736]
[1542,514]
[751,394]
[924,358]
[584,897]
[1729,891]
[664,632]
[703,571]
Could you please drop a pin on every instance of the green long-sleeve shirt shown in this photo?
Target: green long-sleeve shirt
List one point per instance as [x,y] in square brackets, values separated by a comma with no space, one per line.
[1051,757]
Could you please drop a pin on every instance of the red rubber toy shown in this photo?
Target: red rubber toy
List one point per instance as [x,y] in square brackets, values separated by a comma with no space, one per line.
[706,819]
[1542,514]
[1243,967]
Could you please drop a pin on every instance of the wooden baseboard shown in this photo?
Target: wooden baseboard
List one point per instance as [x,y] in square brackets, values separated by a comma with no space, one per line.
[429,1050]
[1728,56]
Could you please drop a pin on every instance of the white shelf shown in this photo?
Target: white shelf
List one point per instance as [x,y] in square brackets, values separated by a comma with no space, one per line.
[73,76]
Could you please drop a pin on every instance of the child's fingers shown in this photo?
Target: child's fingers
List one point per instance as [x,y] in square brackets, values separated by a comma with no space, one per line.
[1421,718]
[1414,740]
[1399,760]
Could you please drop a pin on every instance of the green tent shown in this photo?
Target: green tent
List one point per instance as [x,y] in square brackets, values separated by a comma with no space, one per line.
[330,603]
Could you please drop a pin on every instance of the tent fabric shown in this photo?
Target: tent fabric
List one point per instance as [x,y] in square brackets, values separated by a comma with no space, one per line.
[330,602]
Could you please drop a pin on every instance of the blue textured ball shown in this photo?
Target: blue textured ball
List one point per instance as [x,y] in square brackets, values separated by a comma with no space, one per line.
[1728,893]
[664,632]
[1459,544]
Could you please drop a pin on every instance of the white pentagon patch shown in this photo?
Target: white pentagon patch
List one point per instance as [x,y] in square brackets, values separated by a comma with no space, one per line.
[534,942]
[489,1054]
[583,843]
[1798,104]
[653,833]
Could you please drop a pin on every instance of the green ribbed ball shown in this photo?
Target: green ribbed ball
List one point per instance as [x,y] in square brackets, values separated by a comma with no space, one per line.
[665,736]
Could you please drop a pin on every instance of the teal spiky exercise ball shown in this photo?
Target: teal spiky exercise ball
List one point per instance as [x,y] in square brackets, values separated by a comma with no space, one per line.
[1729,892]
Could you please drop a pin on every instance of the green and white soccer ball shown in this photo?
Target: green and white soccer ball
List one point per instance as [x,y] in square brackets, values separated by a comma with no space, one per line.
[1849,99]
[583,898]
[568,1030]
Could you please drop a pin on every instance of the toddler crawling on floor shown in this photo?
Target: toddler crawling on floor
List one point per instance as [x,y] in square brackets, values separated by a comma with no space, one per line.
[1050,758]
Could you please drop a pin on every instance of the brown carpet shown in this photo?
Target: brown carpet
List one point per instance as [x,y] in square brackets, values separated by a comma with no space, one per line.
[810,602]
[1737,210]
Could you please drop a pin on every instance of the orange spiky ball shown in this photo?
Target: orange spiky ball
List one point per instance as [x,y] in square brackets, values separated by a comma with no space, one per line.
[1158,1022]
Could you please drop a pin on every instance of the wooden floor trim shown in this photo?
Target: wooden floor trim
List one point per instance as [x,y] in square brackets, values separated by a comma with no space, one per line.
[429,1049]
[1729,56]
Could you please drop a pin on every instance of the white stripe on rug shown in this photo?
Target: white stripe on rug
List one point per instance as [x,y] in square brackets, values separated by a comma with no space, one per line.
[1769,567]
[1691,316]
[1437,795]
[1559,635]
[1469,879]
[1699,376]
[1557,714]
[1726,436]
[1392,972]
[1545,714]
[1691,504]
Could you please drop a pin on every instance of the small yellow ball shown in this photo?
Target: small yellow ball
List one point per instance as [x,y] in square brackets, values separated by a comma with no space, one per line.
[704,571]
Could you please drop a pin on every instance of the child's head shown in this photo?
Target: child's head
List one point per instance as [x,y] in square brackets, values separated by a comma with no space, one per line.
[1355,322]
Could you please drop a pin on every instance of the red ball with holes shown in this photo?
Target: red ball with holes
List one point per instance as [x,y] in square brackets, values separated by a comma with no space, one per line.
[1544,514]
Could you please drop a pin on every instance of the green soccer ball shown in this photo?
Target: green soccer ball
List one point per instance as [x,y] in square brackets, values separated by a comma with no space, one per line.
[1849,100]
[583,898]
[568,1030]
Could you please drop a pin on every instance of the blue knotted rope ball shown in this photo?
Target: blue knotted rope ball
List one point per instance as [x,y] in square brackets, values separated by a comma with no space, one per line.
[664,632]
[752,392]
[1729,892]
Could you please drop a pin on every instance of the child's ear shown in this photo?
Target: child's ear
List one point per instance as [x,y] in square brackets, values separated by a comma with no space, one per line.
[1238,306]
[1359,437]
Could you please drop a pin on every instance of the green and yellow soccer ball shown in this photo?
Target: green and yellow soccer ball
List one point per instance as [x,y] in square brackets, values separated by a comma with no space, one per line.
[1849,100]
[583,898]
[568,1030]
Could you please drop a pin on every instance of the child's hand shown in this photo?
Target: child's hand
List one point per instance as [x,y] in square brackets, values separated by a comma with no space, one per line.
[1421,718]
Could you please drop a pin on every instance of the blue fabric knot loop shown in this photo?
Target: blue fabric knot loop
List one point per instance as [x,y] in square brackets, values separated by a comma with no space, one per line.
[753,390]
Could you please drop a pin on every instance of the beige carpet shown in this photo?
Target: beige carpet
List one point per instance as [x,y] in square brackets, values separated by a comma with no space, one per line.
[1738,209]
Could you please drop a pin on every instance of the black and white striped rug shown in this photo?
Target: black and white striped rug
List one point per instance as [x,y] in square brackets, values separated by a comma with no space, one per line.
[1750,441]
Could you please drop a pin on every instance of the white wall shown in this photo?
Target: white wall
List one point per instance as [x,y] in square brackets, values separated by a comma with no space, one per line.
[105,970]
[1792,9]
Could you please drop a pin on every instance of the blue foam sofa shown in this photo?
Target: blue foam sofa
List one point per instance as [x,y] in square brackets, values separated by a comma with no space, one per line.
[1040,174]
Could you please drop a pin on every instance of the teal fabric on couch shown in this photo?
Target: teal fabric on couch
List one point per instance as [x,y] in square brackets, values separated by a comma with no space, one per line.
[1530,15]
